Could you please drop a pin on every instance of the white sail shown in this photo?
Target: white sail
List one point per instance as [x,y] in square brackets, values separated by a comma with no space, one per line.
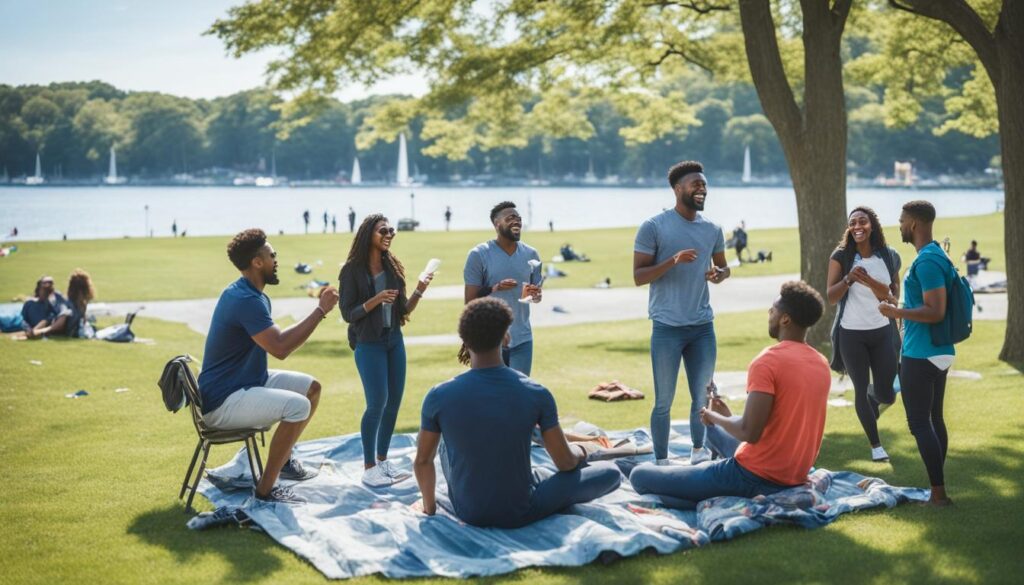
[402,176]
[112,172]
[357,174]
[36,179]
[746,165]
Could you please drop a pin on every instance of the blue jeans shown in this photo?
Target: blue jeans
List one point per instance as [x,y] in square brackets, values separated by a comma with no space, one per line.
[520,357]
[696,346]
[381,366]
[683,486]
[555,491]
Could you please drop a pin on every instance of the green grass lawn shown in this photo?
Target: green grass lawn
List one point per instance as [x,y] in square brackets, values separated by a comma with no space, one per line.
[187,268]
[91,484]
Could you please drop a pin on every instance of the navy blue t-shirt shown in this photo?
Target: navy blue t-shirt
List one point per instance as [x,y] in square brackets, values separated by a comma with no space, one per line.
[232,360]
[486,417]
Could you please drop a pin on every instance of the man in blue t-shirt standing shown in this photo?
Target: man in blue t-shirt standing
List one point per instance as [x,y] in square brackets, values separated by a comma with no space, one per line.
[237,389]
[678,252]
[486,417]
[924,365]
[507,269]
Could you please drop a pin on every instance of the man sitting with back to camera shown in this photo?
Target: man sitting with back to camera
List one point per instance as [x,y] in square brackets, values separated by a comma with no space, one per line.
[487,416]
[774,443]
[237,389]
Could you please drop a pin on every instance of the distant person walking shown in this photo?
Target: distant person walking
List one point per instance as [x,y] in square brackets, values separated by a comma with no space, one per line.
[501,268]
[334,224]
[678,252]
[862,271]
[351,220]
[305,219]
[375,305]
[174,228]
[326,221]
[447,218]
[551,225]
[925,365]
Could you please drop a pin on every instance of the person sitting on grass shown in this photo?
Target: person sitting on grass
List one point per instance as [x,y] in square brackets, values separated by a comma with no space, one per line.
[486,417]
[47,312]
[80,293]
[774,443]
[237,389]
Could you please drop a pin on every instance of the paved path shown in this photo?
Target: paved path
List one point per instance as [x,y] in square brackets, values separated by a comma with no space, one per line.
[581,305]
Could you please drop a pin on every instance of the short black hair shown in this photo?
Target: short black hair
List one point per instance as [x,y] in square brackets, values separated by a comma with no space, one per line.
[801,302]
[245,246]
[501,207]
[920,210]
[483,323]
[681,169]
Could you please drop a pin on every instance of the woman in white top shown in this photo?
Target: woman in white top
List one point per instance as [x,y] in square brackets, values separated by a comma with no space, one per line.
[862,271]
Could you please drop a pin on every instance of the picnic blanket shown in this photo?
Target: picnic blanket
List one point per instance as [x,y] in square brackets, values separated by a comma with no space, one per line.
[348,530]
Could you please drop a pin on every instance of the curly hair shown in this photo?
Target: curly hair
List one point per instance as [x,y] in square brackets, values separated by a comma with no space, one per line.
[483,323]
[501,207]
[359,257]
[245,246]
[80,289]
[801,302]
[681,169]
[877,238]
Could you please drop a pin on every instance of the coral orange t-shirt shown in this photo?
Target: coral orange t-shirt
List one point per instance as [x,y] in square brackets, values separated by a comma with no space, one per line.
[799,379]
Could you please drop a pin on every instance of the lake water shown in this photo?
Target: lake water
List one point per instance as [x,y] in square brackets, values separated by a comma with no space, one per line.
[46,213]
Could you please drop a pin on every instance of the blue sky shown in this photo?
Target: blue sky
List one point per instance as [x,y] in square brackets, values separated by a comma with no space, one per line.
[143,45]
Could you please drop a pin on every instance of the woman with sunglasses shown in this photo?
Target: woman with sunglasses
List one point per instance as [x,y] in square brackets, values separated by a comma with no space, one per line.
[862,271]
[375,305]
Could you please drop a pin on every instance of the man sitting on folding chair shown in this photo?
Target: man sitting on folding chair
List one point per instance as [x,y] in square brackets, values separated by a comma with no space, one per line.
[237,389]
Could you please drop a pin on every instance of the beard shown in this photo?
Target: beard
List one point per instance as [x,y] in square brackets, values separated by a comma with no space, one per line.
[688,201]
[507,232]
[272,278]
[907,236]
[773,331]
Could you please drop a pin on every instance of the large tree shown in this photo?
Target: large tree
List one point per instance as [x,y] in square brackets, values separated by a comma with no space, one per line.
[485,60]
[994,31]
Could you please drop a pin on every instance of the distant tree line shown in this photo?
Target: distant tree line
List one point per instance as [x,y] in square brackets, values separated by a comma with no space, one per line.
[73,126]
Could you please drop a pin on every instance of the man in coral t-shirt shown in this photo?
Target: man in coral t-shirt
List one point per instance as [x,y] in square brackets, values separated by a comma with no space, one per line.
[774,444]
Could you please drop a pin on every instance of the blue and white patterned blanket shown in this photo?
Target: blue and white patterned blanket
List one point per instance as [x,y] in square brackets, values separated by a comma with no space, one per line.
[348,530]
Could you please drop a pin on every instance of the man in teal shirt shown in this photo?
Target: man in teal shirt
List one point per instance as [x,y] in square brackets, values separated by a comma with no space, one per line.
[924,365]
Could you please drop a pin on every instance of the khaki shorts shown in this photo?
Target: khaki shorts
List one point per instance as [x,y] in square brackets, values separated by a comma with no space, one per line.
[283,398]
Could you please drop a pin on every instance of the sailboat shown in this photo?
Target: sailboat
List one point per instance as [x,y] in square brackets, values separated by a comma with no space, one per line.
[112,178]
[746,165]
[270,181]
[590,177]
[37,179]
[357,173]
[402,175]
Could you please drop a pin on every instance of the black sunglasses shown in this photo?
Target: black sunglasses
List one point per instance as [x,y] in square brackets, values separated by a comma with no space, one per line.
[386,231]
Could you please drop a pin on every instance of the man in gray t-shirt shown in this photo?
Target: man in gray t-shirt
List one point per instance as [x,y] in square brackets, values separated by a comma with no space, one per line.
[678,252]
[502,268]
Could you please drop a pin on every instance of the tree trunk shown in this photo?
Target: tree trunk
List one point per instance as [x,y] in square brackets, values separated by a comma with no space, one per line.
[813,137]
[1009,40]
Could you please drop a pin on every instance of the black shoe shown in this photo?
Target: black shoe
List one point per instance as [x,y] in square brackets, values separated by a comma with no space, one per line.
[280,495]
[294,471]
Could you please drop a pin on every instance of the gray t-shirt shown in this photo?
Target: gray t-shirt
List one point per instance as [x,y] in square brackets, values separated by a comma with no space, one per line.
[380,283]
[487,265]
[680,297]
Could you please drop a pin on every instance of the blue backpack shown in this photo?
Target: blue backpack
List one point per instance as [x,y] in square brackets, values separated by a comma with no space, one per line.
[958,324]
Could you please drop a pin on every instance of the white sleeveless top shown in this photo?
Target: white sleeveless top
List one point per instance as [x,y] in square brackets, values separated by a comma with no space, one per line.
[861,312]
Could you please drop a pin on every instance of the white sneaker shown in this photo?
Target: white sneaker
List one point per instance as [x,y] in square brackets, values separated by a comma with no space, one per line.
[377,477]
[663,462]
[700,455]
[879,454]
[393,472]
